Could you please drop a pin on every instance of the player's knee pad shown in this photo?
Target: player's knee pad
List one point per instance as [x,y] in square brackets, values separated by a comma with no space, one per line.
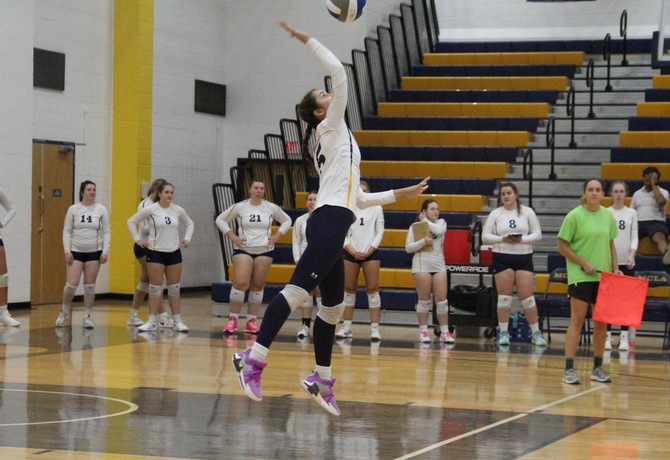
[236,295]
[294,295]
[89,289]
[155,289]
[307,303]
[70,288]
[442,308]
[331,315]
[528,303]
[4,280]
[423,306]
[256,296]
[349,299]
[143,286]
[505,301]
[173,289]
[374,301]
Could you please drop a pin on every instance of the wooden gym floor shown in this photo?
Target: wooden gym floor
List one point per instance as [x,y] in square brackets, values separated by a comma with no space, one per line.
[112,393]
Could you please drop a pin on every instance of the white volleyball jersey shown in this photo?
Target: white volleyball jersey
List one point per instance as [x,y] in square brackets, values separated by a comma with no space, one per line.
[428,261]
[254,224]
[337,157]
[163,226]
[86,229]
[626,220]
[299,239]
[367,230]
[7,205]
[646,206]
[502,222]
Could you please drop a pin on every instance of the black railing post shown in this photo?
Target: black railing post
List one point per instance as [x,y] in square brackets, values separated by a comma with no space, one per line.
[551,142]
[570,108]
[607,55]
[590,84]
[623,31]
[528,174]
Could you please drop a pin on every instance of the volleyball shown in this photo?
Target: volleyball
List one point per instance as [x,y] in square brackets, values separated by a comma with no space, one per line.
[345,10]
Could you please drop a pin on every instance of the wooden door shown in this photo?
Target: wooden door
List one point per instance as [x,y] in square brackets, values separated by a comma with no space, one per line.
[52,194]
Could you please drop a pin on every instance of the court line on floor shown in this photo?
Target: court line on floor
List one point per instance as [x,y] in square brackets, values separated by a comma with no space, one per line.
[498,423]
[132,407]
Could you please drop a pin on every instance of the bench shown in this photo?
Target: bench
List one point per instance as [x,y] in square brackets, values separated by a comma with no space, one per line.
[485,83]
[514,70]
[432,123]
[640,155]
[421,153]
[463,109]
[492,96]
[509,58]
[635,45]
[443,169]
[443,138]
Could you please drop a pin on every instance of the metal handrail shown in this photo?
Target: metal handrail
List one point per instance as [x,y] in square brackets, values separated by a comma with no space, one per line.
[551,142]
[570,109]
[528,174]
[607,55]
[623,27]
[590,71]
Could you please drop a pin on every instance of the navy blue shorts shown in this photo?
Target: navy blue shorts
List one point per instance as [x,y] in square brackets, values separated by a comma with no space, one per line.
[84,257]
[270,254]
[649,227]
[164,258]
[139,251]
[586,291]
[502,262]
[373,256]
[321,264]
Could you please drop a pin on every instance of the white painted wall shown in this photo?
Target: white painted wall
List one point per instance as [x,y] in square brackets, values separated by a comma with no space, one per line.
[480,20]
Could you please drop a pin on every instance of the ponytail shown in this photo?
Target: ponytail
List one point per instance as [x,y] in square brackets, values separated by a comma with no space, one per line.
[304,145]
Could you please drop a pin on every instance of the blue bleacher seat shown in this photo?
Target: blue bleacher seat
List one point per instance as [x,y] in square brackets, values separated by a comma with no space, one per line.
[442,186]
[494,70]
[428,153]
[636,46]
[640,155]
[453,123]
[656,95]
[649,124]
[419,95]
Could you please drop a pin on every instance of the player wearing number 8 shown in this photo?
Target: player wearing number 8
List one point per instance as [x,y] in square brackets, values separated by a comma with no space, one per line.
[164,259]
[512,229]
[86,240]
[254,251]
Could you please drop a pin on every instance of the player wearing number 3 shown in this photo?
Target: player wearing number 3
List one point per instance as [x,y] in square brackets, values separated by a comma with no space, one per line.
[254,251]
[163,253]
[337,158]
[512,229]
[86,240]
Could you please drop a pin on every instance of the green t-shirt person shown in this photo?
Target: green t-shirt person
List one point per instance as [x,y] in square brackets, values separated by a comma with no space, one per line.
[588,233]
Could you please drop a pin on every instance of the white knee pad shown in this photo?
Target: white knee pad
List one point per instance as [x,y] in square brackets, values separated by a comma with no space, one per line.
[143,286]
[307,303]
[505,301]
[236,295]
[374,301]
[424,306]
[4,280]
[155,289]
[173,289]
[89,289]
[349,299]
[70,288]
[331,315]
[528,303]
[294,295]
[442,308]
[256,296]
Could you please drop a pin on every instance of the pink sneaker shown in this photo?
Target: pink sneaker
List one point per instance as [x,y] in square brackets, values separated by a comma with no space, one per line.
[249,374]
[231,326]
[447,337]
[251,327]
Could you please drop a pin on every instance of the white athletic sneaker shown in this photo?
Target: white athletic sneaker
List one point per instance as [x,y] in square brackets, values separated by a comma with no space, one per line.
[87,323]
[166,322]
[148,327]
[424,336]
[375,334]
[608,342]
[62,318]
[7,320]
[344,333]
[180,327]
[303,332]
[623,341]
[134,320]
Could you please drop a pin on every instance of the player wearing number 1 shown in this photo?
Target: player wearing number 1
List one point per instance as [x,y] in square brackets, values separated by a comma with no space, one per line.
[86,240]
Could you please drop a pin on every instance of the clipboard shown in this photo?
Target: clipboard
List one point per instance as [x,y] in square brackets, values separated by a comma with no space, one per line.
[420,230]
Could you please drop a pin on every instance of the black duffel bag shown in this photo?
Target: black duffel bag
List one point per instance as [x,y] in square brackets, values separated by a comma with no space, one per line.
[479,300]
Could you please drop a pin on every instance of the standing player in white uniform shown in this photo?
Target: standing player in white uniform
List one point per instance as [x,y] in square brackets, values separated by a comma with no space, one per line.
[5,318]
[337,158]
[360,251]
[86,240]
[299,245]
[626,247]
[254,251]
[164,258]
[140,252]
[429,272]
[511,229]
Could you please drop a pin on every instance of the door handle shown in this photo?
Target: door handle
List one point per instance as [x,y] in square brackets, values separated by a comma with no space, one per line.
[41,228]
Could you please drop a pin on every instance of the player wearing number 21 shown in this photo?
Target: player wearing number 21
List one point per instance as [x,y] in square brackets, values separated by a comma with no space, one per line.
[86,240]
